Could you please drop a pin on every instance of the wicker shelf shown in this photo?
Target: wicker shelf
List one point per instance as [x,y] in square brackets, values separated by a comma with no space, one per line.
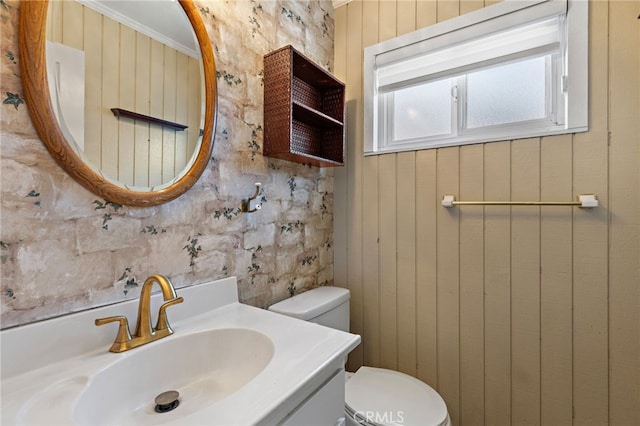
[314,117]
[303,110]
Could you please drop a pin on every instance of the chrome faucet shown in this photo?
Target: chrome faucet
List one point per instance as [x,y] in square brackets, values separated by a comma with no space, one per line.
[144,332]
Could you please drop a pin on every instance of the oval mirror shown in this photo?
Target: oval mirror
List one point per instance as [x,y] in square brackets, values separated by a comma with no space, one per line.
[169,121]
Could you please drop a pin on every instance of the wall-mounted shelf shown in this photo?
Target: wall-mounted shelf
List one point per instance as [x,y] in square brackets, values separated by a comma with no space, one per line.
[313,117]
[119,112]
[303,110]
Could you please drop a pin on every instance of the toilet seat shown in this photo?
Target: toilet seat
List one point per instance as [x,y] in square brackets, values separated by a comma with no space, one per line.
[377,397]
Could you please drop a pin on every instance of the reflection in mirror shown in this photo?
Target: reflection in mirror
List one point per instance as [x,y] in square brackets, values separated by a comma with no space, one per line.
[31,39]
[137,56]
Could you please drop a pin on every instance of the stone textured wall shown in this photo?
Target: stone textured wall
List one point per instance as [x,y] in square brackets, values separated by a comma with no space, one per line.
[64,249]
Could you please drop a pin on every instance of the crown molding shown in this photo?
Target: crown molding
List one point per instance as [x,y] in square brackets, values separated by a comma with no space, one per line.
[338,3]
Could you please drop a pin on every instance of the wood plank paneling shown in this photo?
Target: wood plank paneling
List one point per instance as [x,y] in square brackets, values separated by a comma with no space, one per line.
[156,88]
[354,162]
[370,23]
[497,292]
[110,92]
[525,284]
[371,268]
[472,283]
[448,285]
[370,221]
[427,208]
[406,259]
[426,13]
[93,78]
[54,22]
[467,6]
[624,214]
[340,174]
[72,25]
[387,27]
[556,282]
[590,236]
[405,16]
[126,100]
[387,213]
[169,113]
[521,315]
[448,9]
[143,70]
[182,113]
[194,109]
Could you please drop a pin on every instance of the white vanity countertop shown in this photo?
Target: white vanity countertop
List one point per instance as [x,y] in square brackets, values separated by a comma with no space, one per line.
[304,353]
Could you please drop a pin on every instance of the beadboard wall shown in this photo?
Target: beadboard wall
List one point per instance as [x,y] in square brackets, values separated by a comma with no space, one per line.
[63,249]
[516,315]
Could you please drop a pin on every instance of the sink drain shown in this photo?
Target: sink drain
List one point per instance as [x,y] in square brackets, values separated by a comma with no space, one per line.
[167,401]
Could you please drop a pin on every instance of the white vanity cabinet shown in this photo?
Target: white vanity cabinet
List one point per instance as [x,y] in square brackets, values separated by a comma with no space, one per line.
[324,407]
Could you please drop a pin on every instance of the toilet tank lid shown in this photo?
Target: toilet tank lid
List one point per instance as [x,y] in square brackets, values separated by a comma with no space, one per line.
[312,303]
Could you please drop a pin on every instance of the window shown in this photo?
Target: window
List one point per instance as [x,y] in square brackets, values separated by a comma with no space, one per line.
[512,70]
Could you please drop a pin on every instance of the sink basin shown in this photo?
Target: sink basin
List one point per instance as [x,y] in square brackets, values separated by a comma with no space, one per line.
[203,367]
[232,364]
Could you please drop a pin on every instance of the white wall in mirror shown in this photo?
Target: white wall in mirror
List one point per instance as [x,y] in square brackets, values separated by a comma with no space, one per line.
[155,18]
[65,69]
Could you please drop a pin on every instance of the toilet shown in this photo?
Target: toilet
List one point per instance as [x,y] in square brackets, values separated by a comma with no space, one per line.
[373,396]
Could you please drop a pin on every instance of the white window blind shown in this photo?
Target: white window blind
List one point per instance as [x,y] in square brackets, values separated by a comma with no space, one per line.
[497,73]
[539,37]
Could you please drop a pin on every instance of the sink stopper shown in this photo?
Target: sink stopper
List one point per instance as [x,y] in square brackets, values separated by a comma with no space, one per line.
[167,401]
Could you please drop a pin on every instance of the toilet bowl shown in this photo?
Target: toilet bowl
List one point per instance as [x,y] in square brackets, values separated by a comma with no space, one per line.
[373,396]
[378,396]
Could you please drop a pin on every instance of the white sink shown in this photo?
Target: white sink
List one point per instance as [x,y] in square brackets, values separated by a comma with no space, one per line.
[232,365]
[203,367]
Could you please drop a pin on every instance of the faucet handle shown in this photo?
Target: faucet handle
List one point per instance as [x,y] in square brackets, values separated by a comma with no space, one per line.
[123,330]
[163,323]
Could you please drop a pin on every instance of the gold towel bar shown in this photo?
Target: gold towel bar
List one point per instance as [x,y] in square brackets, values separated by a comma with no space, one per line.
[587,201]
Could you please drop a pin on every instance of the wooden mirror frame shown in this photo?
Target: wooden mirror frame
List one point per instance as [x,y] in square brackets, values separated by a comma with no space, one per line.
[32,40]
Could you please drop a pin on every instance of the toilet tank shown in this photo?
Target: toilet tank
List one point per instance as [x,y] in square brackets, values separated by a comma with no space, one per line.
[328,306]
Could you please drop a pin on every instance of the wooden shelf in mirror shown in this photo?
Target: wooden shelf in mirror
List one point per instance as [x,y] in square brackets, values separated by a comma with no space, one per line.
[119,112]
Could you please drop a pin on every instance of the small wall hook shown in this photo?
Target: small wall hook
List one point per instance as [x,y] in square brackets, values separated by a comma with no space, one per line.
[246,203]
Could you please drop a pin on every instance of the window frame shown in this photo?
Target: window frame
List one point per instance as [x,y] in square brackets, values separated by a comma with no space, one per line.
[573,115]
